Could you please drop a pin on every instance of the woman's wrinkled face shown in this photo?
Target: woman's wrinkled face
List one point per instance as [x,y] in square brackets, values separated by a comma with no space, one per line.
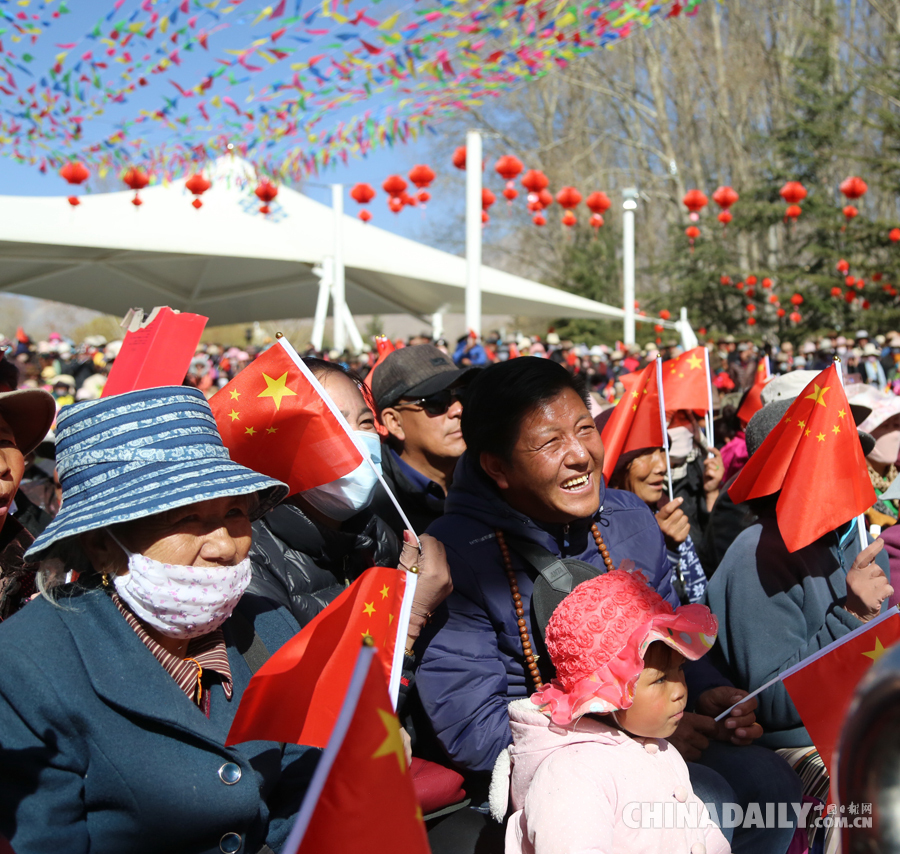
[12,466]
[645,476]
[553,471]
[208,533]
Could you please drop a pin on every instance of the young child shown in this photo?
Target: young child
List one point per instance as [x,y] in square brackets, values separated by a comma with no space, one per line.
[589,750]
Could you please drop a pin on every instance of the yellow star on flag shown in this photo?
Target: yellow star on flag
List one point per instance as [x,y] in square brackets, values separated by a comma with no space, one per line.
[277,389]
[818,394]
[369,608]
[876,653]
[384,591]
[806,433]
[366,634]
[234,415]
[821,437]
[634,394]
[835,429]
[842,412]
[250,431]
[271,430]
[235,394]
[801,424]
[392,743]
[695,361]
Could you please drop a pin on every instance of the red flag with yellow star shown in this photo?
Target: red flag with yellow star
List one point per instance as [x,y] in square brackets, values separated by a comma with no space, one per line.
[361,796]
[684,382]
[296,695]
[753,400]
[814,457]
[274,421]
[635,422]
[834,673]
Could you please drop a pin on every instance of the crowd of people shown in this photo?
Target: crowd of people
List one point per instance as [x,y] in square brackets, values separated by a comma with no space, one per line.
[573,640]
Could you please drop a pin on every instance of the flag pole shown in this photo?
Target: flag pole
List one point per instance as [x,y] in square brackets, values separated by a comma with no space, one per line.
[310,377]
[329,754]
[662,421]
[861,519]
[409,594]
[709,402]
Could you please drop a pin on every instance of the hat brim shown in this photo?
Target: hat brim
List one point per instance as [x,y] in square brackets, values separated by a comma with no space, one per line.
[137,494]
[29,413]
[434,384]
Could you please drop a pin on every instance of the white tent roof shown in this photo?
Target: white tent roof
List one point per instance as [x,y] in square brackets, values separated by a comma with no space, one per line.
[229,262]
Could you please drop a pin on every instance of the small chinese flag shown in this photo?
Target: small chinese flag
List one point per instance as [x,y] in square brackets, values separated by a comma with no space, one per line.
[635,422]
[385,348]
[296,695]
[753,401]
[814,457]
[685,382]
[274,421]
[361,797]
[822,686]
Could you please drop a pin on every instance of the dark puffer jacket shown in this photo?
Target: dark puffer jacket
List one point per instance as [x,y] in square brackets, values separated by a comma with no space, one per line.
[305,566]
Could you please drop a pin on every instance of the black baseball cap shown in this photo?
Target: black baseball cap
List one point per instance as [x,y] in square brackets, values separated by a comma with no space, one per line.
[413,372]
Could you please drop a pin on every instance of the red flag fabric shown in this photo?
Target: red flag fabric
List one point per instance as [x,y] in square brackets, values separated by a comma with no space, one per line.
[822,689]
[684,382]
[635,422]
[296,695]
[385,348]
[274,421]
[753,401]
[367,802]
[814,457]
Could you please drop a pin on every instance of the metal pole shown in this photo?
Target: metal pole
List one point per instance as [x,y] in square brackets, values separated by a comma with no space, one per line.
[630,195]
[337,208]
[324,274]
[356,341]
[473,231]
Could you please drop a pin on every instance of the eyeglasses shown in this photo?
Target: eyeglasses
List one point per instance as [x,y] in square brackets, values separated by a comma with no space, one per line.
[435,404]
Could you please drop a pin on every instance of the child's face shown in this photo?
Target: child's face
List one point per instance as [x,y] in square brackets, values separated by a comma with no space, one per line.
[659,696]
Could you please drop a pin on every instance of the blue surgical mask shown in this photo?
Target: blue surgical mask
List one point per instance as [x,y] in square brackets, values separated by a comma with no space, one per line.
[348,495]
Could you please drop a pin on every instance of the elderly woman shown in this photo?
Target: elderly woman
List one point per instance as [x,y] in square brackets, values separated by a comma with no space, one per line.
[117,690]
[25,418]
[530,483]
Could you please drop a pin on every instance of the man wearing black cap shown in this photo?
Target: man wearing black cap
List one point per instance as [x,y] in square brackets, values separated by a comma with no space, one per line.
[416,391]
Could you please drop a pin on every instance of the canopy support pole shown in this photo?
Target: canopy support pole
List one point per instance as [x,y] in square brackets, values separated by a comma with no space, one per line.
[356,341]
[340,301]
[473,231]
[629,204]
[318,331]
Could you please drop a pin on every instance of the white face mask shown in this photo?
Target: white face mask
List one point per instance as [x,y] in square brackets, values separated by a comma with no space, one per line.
[681,441]
[181,601]
[348,495]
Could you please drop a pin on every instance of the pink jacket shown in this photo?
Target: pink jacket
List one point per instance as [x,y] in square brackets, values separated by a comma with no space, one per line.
[572,788]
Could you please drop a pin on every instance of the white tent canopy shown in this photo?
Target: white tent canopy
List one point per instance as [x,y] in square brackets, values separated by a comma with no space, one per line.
[234,265]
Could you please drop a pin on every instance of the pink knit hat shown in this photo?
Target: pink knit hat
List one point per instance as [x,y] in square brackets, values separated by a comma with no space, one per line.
[598,636]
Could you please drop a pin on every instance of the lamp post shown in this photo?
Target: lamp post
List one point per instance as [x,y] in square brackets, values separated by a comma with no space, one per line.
[629,195]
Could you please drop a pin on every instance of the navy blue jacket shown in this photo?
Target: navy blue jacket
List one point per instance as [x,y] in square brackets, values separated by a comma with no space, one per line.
[474,664]
[101,751]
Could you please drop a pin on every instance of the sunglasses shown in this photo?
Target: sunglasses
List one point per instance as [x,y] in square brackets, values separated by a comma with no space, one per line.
[435,404]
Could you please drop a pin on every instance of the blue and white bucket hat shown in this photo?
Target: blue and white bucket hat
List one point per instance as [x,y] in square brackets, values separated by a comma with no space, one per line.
[133,455]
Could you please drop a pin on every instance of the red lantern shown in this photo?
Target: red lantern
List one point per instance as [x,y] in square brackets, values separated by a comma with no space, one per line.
[853,187]
[596,221]
[740,286]
[485,219]
[197,185]
[725,280]
[74,201]
[365,215]
[751,321]
[665,314]
[137,201]
[751,308]
[701,330]
[362,193]
[487,198]
[658,327]
[860,284]
[850,296]
[459,157]
[535,206]
[836,291]
[751,292]
[751,280]
[793,192]
[894,235]
[534,181]
[508,167]
[796,299]
[725,197]
[395,203]
[843,266]
[876,277]
[75,172]
[725,217]
[781,312]
[569,219]
[865,304]
[266,192]
[773,299]
[795,317]
[850,212]
[545,197]
[694,201]
[510,193]
[568,198]
[394,186]
[598,202]
[792,212]
[423,197]
[849,281]
[539,220]
[407,199]
[421,175]
[136,179]
[767,283]
[692,233]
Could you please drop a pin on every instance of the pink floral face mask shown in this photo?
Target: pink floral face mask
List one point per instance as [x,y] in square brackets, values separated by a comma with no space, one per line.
[181,601]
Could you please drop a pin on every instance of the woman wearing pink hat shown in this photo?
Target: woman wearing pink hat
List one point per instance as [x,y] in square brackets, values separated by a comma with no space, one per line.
[589,756]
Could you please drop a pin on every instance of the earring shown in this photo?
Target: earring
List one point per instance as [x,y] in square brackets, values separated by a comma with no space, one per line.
[104,579]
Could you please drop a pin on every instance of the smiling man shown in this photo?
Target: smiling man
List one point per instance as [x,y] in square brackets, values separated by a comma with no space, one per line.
[531,482]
